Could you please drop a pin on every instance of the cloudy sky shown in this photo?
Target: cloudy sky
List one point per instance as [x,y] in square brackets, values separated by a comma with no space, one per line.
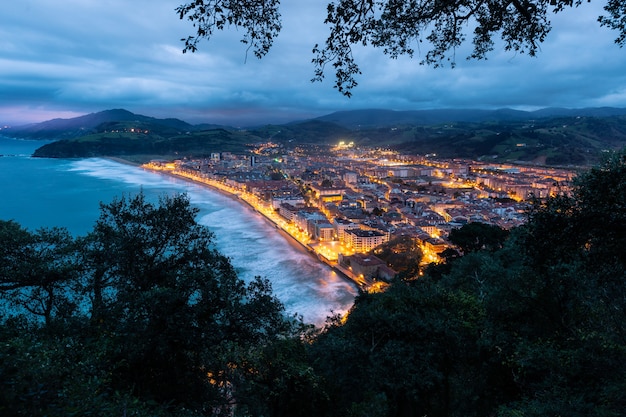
[72,57]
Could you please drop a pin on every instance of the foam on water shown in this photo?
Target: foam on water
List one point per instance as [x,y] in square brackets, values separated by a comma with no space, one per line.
[306,286]
[39,192]
[111,170]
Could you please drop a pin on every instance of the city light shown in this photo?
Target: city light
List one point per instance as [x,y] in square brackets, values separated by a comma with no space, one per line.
[421,196]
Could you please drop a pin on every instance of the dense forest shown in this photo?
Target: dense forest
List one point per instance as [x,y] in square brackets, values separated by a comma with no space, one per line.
[143,317]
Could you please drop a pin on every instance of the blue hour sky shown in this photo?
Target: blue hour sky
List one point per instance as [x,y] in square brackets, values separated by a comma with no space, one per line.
[72,57]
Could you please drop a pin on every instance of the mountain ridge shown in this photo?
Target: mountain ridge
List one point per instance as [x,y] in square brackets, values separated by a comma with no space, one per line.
[60,128]
[555,136]
[371,118]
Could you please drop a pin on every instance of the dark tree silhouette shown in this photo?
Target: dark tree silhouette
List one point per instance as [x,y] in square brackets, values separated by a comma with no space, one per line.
[476,236]
[434,28]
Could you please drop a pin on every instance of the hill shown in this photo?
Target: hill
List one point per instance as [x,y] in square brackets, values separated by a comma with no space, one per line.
[122,133]
[552,136]
[93,123]
[310,131]
[141,145]
[376,118]
[579,140]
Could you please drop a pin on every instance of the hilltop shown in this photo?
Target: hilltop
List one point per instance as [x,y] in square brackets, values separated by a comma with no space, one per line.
[93,123]
[551,136]
[377,118]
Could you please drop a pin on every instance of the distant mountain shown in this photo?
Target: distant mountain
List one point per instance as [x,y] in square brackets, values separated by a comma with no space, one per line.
[376,118]
[92,123]
[588,112]
[557,140]
[552,136]
[309,131]
[352,120]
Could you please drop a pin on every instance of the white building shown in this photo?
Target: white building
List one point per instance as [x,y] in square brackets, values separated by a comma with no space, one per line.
[364,240]
[341,225]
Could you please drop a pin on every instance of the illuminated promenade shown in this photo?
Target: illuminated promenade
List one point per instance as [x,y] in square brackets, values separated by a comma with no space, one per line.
[326,252]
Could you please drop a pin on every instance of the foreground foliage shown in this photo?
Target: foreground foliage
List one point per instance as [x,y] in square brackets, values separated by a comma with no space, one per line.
[141,315]
[142,318]
[397,27]
[529,326]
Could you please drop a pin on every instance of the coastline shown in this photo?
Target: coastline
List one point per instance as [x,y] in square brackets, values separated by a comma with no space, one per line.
[292,241]
[295,243]
[181,177]
[49,192]
[122,161]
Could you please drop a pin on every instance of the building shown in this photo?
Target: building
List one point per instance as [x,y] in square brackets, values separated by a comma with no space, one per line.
[304,214]
[350,177]
[327,194]
[362,241]
[288,211]
[296,201]
[324,231]
[341,225]
[367,266]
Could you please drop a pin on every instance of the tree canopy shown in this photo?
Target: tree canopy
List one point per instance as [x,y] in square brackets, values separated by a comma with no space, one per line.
[531,325]
[432,28]
[143,317]
[477,236]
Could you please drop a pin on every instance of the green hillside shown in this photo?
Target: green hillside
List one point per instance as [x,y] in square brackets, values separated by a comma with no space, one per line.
[144,141]
[499,136]
[552,141]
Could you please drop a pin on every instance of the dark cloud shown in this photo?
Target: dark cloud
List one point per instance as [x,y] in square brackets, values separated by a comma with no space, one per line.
[79,56]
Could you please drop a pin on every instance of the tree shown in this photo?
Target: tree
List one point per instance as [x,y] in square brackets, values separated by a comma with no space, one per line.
[402,254]
[554,299]
[477,236]
[179,321]
[283,382]
[38,270]
[584,233]
[398,27]
[161,323]
[377,211]
[14,253]
[409,351]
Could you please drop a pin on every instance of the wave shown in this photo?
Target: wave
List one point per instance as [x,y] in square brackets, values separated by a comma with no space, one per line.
[306,286]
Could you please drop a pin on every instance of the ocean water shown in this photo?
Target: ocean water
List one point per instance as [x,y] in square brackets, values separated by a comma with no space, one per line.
[38,192]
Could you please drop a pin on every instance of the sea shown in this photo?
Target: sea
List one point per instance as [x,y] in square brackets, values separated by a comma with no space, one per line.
[42,192]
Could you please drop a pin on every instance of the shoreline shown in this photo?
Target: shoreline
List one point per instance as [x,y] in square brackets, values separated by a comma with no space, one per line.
[295,243]
[46,193]
[299,246]
[178,176]
[122,161]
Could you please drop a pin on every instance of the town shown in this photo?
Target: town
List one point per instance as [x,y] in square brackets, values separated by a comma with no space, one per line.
[343,202]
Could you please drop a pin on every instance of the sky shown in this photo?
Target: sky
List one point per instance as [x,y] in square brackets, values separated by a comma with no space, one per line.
[62,59]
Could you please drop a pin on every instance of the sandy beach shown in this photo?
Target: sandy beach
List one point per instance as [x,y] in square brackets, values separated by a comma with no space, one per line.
[292,241]
[122,161]
[288,237]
